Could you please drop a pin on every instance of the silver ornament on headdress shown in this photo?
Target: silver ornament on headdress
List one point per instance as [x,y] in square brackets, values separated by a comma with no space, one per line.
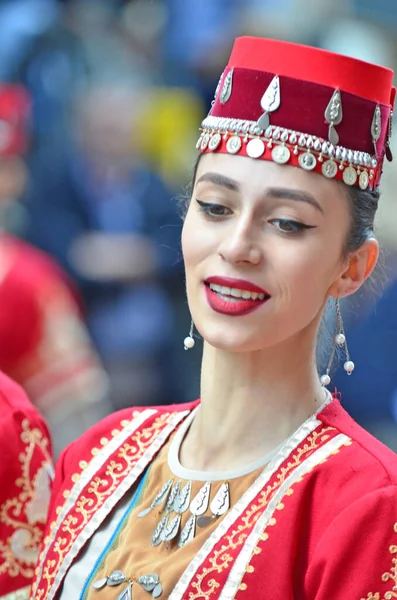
[270,102]
[226,91]
[334,115]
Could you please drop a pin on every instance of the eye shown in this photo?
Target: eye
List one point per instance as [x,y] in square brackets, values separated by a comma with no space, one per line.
[290,226]
[213,209]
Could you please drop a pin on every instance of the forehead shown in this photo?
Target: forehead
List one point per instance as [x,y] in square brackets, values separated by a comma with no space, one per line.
[256,175]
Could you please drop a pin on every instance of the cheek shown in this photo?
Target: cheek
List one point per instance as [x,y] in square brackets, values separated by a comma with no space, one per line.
[304,271]
[189,247]
[198,241]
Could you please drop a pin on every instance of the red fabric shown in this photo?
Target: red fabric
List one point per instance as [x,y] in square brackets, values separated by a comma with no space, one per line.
[44,345]
[25,451]
[333,535]
[313,64]
[302,108]
[308,79]
[14,115]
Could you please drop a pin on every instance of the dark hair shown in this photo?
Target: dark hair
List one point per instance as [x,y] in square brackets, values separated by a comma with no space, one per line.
[363,205]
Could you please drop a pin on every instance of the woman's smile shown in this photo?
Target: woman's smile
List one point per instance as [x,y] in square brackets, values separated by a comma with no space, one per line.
[234,297]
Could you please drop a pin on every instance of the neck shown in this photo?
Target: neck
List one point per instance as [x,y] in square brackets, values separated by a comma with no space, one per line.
[250,403]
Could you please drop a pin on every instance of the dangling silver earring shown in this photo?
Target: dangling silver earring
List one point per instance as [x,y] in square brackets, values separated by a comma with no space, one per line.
[189,342]
[339,340]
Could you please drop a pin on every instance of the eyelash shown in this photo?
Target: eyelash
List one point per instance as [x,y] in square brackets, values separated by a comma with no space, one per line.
[208,207]
[297,227]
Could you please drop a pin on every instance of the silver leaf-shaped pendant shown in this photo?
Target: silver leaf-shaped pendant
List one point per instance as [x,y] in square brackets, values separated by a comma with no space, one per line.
[182,501]
[376,124]
[221,502]
[188,532]
[158,499]
[148,582]
[263,121]
[157,533]
[126,594]
[100,583]
[333,136]
[173,494]
[158,590]
[270,100]
[171,530]
[145,512]
[226,91]
[217,88]
[199,504]
[116,578]
[204,520]
[333,113]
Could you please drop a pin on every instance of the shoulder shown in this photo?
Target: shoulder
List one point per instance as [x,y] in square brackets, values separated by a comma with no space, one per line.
[30,265]
[361,467]
[122,426]
[365,454]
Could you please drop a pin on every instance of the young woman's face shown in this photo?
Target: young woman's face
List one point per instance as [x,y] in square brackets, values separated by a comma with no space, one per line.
[262,246]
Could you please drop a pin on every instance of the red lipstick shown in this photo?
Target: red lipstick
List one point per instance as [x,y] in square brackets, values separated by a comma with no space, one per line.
[228,304]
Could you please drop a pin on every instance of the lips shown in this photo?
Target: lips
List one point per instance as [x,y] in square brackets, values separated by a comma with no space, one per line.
[234,297]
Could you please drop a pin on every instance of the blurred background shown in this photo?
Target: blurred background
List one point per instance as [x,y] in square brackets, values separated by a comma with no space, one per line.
[93,309]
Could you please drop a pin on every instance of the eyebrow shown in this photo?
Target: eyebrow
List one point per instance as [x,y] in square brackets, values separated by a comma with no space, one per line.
[274,192]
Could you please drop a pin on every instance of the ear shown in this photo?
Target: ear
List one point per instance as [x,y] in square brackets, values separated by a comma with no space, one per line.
[359,266]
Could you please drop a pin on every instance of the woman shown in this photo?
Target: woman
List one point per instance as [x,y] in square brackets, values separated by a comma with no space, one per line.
[265,488]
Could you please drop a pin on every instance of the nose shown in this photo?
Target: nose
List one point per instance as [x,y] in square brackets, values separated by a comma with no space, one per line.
[240,245]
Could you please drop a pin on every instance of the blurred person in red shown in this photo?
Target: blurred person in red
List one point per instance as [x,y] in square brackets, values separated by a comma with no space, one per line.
[25,483]
[112,223]
[44,343]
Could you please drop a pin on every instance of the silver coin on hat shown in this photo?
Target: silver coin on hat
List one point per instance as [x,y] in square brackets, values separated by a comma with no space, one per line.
[281,154]
[233,144]
[363,180]
[350,176]
[307,161]
[255,148]
[214,142]
[329,169]
[204,141]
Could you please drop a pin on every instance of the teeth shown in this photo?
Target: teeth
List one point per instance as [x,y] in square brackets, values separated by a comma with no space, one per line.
[225,290]
[215,287]
[236,293]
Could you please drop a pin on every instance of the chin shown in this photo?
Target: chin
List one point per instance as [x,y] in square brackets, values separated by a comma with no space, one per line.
[234,341]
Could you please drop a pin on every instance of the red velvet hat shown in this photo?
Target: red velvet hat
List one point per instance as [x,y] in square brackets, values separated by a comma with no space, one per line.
[303,106]
[14,115]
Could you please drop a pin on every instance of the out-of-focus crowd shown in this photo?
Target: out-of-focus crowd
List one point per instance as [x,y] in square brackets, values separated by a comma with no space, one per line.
[93,310]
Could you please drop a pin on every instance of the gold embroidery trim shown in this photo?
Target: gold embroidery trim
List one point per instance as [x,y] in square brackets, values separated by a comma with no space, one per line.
[22,514]
[99,490]
[390,575]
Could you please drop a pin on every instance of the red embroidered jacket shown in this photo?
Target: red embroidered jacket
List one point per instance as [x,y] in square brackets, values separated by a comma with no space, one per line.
[319,523]
[25,478]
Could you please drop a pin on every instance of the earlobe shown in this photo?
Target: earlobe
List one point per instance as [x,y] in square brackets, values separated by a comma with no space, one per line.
[359,268]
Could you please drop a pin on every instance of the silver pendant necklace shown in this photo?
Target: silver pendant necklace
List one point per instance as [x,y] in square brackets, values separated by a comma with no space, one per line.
[150,583]
[177,500]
